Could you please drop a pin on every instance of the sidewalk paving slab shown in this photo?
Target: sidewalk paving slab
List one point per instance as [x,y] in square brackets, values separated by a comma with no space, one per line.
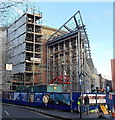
[72,115]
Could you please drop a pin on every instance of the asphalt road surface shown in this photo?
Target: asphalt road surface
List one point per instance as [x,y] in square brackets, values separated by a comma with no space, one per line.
[15,112]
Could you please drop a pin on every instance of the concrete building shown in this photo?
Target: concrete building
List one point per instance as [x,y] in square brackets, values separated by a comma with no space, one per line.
[96,81]
[104,83]
[108,85]
[26,49]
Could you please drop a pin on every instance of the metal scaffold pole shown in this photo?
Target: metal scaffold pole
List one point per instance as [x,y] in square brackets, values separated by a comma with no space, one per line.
[34,51]
[79,70]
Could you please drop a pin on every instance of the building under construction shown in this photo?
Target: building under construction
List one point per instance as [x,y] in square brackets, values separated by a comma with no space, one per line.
[26,50]
[69,59]
[2,57]
[64,58]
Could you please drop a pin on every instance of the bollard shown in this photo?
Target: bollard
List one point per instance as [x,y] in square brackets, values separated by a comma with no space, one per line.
[113,111]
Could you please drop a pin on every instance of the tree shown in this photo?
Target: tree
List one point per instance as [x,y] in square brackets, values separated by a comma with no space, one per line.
[8,10]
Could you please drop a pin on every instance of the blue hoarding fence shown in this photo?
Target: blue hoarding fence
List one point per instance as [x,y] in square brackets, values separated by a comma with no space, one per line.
[60,101]
[113,97]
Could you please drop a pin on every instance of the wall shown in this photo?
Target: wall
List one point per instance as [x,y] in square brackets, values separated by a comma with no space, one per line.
[47,32]
[113,73]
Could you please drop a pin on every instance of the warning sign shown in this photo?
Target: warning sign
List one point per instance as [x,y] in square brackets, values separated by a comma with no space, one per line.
[104,109]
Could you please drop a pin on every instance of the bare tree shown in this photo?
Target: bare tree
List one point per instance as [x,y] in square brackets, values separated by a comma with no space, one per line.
[8,10]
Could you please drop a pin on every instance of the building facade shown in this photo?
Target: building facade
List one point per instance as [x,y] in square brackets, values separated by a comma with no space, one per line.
[113,73]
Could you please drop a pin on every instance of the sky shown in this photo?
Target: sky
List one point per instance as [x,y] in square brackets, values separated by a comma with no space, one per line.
[98,18]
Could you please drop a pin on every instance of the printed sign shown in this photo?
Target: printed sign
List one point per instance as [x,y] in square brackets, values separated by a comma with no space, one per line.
[60,99]
[101,98]
[104,109]
[31,97]
[38,97]
[16,95]
[24,96]
[8,66]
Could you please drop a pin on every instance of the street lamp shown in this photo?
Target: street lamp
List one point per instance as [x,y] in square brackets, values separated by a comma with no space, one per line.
[80,83]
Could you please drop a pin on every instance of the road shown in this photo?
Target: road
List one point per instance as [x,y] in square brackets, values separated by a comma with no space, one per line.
[15,112]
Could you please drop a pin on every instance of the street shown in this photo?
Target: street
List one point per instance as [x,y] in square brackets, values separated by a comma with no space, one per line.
[14,112]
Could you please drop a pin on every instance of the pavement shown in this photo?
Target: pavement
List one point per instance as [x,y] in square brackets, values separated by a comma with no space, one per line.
[72,115]
[67,115]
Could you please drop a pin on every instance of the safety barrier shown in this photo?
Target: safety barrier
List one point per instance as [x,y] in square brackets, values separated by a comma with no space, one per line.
[60,101]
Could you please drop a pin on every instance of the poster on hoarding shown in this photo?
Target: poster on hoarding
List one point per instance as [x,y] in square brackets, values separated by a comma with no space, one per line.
[38,97]
[24,97]
[101,98]
[11,96]
[59,99]
[31,97]
[16,96]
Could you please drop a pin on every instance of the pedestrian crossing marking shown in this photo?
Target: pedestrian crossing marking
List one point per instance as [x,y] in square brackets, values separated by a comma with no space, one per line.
[104,109]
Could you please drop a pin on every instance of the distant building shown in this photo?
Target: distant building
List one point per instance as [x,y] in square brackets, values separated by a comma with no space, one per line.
[113,73]
[96,80]
[108,85]
[105,84]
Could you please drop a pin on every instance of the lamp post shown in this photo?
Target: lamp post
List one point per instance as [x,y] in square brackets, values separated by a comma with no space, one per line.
[71,89]
[96,97]
[80,83]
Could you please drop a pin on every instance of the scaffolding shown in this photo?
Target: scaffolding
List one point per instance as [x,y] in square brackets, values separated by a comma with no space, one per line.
[24,46]
[68,54]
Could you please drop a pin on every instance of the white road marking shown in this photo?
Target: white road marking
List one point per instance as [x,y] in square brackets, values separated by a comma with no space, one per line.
[6,112]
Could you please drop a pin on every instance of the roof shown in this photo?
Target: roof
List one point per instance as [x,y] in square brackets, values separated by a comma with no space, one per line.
[49,28]
[71,27]
[75,23]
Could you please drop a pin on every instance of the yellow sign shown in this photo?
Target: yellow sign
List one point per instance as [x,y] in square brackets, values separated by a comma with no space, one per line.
[104,109]
[54,88]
